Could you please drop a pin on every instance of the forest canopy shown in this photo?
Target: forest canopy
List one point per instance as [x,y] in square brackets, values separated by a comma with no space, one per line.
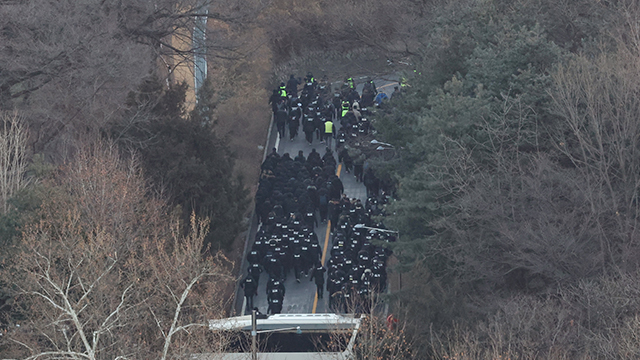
[517,184]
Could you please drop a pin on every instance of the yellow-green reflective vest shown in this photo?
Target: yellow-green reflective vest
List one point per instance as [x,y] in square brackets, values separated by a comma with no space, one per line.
[328,127]
[345,108]
[283,92]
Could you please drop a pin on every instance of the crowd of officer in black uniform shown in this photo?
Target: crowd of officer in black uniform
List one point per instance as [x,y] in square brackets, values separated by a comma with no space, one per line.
[295,195]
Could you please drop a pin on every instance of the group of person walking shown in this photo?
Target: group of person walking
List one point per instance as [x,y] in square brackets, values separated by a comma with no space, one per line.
[291,201]
[297,194]
[315,111]
[357,267]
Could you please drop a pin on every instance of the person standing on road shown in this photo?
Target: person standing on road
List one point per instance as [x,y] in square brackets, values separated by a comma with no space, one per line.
[345,158]
[314,158]
[275,306]
[369,91]
[323,203]
[274,268]
[344,108]
[317,274]
[358,168]
[329,132]
[350,83]
[334,213]
[310,217]
[274,100]
[297,261]
[281,118]
[380,98]
[253,257]
[336,103]
[282,91]
[329,160]
[371,183]
[295,114]
[396,94]
[254,271]
[312,193]
[336,301]
[308,127]
[336,188]
[292,85]
[250,289]
[318,122]
[294,124]
[309,78]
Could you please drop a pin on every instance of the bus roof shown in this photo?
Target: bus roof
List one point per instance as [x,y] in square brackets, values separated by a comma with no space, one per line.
[279,321]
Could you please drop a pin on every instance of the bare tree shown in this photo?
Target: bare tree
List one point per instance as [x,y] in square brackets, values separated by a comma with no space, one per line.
[13,157]
[597,97]
[192,284]
[521,328]
[376,338]
[594,318]
[69,65]
[103,274]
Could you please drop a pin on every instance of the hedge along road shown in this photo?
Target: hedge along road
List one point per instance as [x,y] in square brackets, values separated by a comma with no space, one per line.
[301,298]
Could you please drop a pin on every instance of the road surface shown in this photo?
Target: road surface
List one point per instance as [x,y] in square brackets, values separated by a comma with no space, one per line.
[301,297]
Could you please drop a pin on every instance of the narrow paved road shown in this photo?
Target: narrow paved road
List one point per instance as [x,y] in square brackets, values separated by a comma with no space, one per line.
[301,297]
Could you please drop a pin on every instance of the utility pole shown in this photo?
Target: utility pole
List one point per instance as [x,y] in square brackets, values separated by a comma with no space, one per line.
[254,333]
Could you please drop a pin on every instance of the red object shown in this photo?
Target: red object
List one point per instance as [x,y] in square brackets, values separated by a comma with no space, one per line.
[391,321]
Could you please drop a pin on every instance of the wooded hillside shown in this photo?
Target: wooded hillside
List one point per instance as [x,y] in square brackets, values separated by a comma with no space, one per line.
[516,167]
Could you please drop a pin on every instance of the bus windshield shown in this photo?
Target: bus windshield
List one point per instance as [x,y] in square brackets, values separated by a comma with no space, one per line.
[287,342]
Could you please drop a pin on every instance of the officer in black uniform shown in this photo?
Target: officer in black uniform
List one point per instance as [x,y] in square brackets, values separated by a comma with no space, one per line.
[275,297]
[255,270]
[308,127]
[275,306]
[295,114]
[281,118]
[274,100]
[292,85]
[250,286]
[317,274]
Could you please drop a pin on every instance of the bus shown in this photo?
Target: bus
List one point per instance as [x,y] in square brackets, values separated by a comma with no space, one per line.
[286,337]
